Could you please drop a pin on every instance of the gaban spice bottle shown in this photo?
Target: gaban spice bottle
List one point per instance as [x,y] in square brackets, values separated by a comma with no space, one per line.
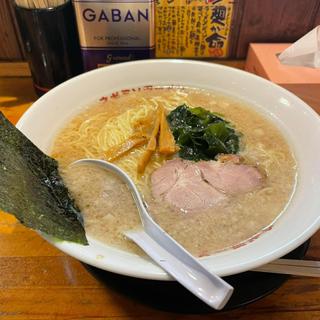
[114,31]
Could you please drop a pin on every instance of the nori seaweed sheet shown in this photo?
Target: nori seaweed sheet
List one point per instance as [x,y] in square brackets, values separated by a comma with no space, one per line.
[32,189]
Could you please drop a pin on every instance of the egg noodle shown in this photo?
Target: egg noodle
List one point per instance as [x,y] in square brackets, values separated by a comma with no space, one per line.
[94,136]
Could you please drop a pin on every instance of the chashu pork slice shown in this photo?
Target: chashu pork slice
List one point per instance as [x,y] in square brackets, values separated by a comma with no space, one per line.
[164,178]
[191,186]
[231,178]
[192,192]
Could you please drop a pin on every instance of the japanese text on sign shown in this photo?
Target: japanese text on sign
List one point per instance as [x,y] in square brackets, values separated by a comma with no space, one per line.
[193,28]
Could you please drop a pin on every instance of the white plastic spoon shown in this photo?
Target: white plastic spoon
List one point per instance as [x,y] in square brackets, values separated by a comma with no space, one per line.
[168,253]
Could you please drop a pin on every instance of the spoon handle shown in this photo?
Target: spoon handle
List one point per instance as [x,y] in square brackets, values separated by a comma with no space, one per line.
[173,258]
[210,289]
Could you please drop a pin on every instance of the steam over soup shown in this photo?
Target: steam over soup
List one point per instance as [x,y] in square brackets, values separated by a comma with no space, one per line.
[224,198]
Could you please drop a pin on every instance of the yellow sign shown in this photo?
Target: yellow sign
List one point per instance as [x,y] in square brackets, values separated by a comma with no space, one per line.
[193,28]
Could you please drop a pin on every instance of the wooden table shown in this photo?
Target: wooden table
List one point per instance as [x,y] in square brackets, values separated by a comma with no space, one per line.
[37,281]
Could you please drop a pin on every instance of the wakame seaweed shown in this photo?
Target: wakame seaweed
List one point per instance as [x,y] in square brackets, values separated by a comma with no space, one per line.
[201,134]
[32,189]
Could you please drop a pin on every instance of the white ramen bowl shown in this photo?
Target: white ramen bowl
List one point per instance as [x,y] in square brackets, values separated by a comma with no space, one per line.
[298,122]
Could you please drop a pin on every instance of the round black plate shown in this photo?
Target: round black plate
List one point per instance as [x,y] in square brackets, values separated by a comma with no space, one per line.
[172,297]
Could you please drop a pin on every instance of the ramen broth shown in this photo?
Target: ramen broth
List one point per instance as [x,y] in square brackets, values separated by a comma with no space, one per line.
[107,205]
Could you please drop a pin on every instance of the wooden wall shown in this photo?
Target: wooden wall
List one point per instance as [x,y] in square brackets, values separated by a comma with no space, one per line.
[10,43]
[254,21]
[272,21]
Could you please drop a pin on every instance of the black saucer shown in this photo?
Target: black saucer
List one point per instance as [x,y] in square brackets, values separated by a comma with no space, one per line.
[172,297]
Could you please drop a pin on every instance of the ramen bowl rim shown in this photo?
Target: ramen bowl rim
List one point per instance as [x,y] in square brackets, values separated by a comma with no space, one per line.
[251,261]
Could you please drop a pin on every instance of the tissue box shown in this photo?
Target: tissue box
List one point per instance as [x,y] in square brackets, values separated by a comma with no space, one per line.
[302,81]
